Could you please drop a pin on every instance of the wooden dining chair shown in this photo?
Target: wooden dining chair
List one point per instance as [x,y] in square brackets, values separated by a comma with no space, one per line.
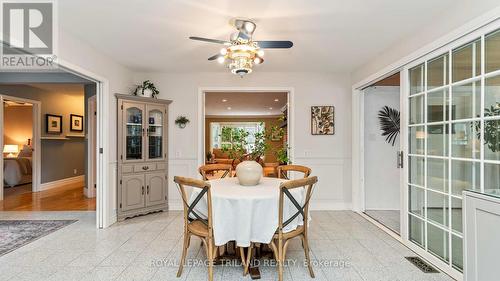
[211,168]
[301,231]
[200,226]
[284,169]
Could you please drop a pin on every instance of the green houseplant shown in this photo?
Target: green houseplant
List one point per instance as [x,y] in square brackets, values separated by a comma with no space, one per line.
[491,128]
[147,87]
[182,121]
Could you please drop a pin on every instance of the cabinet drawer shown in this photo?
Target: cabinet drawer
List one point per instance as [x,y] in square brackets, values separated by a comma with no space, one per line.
[127,168]
[161,166]
[144,167]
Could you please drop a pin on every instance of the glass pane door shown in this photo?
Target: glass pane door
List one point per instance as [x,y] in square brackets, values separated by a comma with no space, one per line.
[155,134]
[453,142]
[133,131]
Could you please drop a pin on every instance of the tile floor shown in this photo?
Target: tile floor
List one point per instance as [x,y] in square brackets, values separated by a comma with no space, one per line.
[149,247]
[389,218]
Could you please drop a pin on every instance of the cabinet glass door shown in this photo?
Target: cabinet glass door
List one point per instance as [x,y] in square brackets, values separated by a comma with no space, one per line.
[133,132]
[155,133]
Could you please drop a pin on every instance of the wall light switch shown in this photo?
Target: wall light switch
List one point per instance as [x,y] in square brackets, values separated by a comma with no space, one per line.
[307,153]
[74,171]
[178,154]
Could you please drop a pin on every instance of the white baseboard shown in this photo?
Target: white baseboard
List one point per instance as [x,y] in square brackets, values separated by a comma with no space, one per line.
[62,182]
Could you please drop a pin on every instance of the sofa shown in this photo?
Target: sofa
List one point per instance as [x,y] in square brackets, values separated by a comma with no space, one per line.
[221,157]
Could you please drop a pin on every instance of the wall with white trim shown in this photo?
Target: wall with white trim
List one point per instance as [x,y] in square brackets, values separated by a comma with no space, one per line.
[328,156]
[468,13]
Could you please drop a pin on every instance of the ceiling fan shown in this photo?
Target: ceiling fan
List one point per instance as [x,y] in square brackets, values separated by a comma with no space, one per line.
[241,52]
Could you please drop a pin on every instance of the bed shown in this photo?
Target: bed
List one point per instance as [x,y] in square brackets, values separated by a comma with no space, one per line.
[18,170]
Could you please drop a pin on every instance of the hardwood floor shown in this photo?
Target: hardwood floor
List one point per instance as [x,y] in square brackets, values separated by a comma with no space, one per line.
[65,198]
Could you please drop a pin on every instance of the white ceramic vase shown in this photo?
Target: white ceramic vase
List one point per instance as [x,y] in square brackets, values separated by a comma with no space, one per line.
[249,173]
[148,93]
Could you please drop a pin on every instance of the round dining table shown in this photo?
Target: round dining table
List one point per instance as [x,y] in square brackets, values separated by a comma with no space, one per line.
[247,214]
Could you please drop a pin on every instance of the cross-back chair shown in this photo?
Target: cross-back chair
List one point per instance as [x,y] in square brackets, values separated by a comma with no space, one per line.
[301,231]
[211,168]
[284,169]
[199,225]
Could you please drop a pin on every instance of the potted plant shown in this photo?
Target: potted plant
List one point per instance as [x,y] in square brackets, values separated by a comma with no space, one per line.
[249,170]
[147,89]
[181,121]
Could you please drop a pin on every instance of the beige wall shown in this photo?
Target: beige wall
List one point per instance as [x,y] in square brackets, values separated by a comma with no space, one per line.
[268,123]
[18,125]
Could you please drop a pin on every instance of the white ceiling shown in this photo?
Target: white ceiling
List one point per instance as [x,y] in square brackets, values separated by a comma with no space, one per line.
[328,35]
[244,104]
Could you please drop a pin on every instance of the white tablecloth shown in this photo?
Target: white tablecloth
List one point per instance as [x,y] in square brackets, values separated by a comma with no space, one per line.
[247,213]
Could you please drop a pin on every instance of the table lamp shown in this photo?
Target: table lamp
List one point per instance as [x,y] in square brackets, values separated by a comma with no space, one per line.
[10,149]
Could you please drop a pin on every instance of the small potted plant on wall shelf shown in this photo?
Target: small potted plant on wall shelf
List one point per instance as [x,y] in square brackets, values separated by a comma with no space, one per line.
[181,121]
[147,89]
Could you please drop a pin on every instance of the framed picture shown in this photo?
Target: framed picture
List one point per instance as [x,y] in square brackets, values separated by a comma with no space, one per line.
[53,123]
[76,123]
[322,120]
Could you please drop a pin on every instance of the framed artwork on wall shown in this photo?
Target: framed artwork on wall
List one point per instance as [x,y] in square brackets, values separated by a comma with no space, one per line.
[323,120]
[53,124]
[76,122]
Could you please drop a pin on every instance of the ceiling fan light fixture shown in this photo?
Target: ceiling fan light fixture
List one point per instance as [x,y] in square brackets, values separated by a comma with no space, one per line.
[241,53]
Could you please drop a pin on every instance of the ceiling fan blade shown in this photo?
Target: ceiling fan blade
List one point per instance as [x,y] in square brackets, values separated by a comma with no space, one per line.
[214,57]
[209,40]
[275,44]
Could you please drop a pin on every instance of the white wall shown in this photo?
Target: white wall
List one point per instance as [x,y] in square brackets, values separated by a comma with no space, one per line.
[382,190]
[328,156]
[444,26]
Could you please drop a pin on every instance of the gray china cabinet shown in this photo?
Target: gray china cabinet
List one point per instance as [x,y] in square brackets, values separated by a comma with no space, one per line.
[142,155]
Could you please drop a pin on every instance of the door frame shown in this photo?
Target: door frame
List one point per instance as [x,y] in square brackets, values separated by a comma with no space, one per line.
[201,113]
[91,145]
[36,143]
[105,215]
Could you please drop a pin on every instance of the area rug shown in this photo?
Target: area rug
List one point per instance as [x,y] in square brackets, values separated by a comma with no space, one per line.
[17,233]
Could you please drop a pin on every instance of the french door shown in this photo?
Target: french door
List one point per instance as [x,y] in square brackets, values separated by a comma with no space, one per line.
[453,141]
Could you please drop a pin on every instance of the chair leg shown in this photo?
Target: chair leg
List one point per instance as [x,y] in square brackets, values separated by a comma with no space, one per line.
[280,260]
[184,253]
[305,243]
[210,254]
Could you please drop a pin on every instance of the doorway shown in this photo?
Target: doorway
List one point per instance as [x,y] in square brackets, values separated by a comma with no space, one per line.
[19,140]
[382,152]
[59,143]
[252,109]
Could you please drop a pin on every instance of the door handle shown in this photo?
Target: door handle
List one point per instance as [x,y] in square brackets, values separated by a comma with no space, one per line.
[147,189]
[142,190]
[400,160]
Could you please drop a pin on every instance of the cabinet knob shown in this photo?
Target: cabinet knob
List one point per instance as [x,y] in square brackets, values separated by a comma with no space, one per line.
[145,168]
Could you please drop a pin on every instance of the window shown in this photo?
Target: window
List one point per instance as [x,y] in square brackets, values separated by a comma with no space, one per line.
[220,140]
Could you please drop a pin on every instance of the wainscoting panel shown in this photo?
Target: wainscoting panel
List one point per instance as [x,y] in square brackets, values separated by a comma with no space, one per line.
[179,167]
[332,192]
